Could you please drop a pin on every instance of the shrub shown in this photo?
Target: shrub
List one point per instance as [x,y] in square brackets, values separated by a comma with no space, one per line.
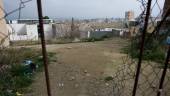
[153,50]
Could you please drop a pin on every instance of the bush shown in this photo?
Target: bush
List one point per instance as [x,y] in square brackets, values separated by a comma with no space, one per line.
[153,50]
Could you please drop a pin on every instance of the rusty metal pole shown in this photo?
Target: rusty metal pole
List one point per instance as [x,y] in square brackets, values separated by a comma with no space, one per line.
[43,43]
[142,47]
[164,73]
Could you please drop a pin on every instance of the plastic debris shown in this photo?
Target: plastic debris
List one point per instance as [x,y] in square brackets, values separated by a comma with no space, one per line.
[18,94]
[31,66]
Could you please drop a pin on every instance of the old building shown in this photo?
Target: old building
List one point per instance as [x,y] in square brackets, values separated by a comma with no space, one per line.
[129,15]
[4,41]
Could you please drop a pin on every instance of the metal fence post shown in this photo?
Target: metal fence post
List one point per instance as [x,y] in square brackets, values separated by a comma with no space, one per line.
[164,72]
[43,43]
[142,47]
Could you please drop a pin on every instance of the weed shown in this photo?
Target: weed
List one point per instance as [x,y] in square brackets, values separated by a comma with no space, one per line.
[108,78]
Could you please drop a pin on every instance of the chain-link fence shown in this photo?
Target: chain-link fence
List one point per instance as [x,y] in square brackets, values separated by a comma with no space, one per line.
[150,76]
[17,64]
[134,77]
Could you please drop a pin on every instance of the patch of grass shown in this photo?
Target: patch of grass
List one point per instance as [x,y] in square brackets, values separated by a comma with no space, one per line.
[24,43]
[92,39]
[60,41]
[14,80]
[52,41]
[17,77]
[17,55]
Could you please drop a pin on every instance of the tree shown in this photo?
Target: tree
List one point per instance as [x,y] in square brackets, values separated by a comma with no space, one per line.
[46,17]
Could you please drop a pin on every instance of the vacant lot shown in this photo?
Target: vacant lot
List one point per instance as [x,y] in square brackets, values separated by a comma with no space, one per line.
[81,69]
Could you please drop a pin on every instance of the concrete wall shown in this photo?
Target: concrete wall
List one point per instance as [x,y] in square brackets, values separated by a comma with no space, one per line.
[4,40]
[85,30]
[29,32]
[61,30]
[84,34]
[19,29]
[32,31]
[88,32]
[48,31]
[23,32]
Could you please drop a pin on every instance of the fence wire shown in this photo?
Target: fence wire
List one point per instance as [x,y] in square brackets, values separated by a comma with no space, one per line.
[150,72]
[10,56]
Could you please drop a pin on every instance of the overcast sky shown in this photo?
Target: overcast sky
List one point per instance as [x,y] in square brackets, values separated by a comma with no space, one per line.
[77,8]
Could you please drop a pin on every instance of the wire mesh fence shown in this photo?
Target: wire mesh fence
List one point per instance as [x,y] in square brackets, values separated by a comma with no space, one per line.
[15,74]
[148,85]
[151,72]
[124,78]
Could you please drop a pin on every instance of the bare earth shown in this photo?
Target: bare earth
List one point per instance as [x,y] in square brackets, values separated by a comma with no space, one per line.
[81,68]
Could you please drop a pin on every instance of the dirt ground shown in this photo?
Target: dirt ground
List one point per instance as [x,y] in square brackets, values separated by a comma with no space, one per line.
[81,68]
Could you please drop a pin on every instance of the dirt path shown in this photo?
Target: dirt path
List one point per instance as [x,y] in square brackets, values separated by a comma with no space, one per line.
[81,68]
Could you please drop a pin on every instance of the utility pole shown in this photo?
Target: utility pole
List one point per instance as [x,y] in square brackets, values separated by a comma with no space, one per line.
[72,24]
[72,27]
[166,25]
[159,93]
[43,43]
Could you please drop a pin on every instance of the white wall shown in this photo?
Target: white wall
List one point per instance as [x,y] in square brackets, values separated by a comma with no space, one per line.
[19,29]
[23,32]
[48,31]
[29,32]
[32,31]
